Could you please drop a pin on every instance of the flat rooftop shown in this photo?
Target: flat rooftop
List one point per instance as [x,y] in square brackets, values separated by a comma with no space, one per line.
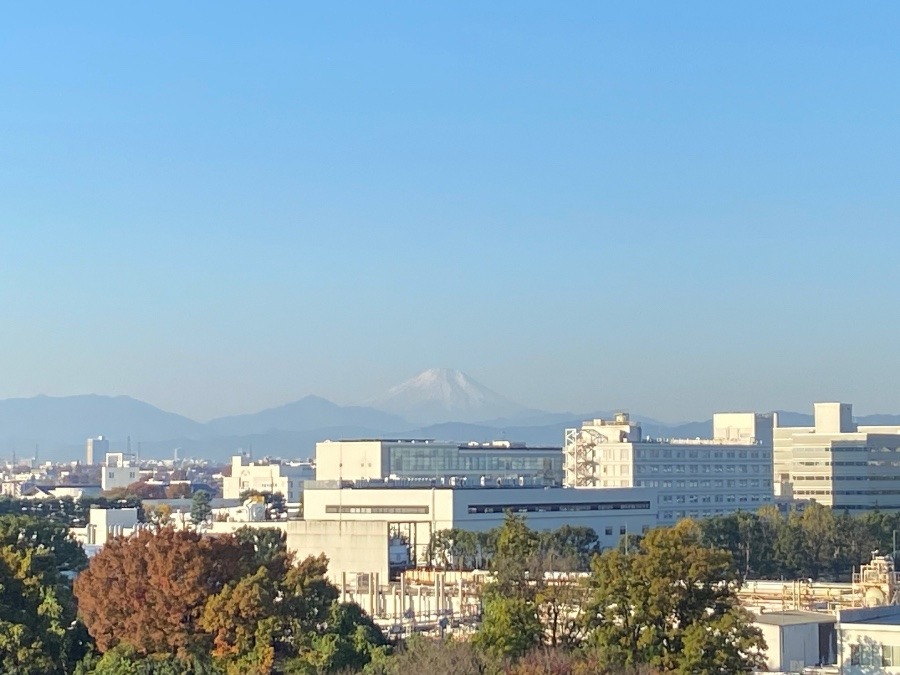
[498,446]
[793,617]
[429,484]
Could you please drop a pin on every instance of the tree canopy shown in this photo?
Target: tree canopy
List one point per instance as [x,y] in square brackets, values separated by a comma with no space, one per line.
[671,604]
[234,604]
[39,633]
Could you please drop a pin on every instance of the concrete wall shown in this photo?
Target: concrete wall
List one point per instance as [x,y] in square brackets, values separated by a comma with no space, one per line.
[350,460]
[834,418]
[351,546]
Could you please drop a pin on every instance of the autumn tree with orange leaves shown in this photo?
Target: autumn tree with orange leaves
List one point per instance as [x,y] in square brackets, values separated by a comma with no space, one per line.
[148,591]
[238,602]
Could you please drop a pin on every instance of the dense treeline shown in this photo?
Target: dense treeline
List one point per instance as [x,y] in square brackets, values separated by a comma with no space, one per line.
[815,543]
[567,549]
[668,603]
[66,510]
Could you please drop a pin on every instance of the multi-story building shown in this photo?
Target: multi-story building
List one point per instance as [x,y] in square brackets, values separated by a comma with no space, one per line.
[268,476]
[469,463]
[95,447]
[119,471]
[838,463]
[696,478]
[411,511]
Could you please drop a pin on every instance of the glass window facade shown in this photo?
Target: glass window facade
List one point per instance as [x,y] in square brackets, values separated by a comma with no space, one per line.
[474,462]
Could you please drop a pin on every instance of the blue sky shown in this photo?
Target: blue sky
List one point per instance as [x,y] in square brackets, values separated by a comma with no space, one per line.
[668,207]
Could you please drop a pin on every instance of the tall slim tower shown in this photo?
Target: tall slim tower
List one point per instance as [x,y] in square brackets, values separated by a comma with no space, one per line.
[95,447]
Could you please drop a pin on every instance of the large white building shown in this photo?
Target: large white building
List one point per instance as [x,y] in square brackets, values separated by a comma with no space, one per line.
[471,463]
[838,463]
[274,477]
[411,511]
[695,478]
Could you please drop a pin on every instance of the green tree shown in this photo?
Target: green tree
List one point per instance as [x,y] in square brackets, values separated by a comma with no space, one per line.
[124,660]
[348,641]
[269,546]
[38,631]
[790,547]
[244,627]
[672,605]
[516,558]
[510,627]
[52,537]
[569,548]
[200,508]
[420,654]
[820,539]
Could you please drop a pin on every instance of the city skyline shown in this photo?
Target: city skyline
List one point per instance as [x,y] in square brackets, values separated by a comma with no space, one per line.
[666,209]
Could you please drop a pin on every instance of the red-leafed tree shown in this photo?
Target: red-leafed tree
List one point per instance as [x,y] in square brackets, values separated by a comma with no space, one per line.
[148,591]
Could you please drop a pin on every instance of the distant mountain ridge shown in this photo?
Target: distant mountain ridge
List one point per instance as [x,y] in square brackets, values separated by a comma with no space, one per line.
[429,403]
[310,412]
[52,419]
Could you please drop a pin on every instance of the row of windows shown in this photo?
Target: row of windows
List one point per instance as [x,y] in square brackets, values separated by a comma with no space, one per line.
[708,499]
[701,468]
[704,513]
[717,483]
[449,460]
[548,508]
[847,448]
[847,492]
[375,509]
[870,462]
[670,453]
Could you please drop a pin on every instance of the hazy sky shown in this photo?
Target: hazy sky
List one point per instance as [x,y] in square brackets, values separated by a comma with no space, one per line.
[668,207]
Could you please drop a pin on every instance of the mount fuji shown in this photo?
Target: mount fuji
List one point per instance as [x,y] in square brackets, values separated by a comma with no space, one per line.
[446,395]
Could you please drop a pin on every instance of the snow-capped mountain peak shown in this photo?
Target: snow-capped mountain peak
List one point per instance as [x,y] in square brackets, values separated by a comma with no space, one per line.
[445,395]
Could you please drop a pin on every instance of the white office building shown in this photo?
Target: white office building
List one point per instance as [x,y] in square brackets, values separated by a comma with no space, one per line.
[838,463]
[268,476]
[118,471]
[695,478]
[411,511]
[468,463]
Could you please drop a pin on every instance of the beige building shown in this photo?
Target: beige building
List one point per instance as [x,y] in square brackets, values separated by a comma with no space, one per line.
[471,463]
[268,476]
[696,478]
[838,463]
